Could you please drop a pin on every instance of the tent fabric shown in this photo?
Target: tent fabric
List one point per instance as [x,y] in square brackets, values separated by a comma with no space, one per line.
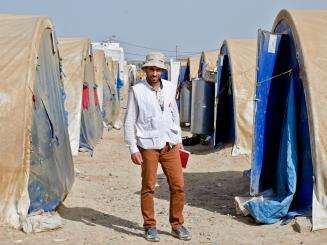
[309,30]
[281,155]
[184,70]
[242,61]
[131,73]
[306,30]
[208,64]
[92,126]
[174,72]
[30,92]
[111,105]
[72,51]
[210,60]
[85,97]
[83,116]
[96,98]
[193,64]
[99,66]
[279,204]
[51,158]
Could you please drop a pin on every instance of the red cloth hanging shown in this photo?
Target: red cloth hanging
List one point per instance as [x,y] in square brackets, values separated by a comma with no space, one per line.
[85,97]
[96,98]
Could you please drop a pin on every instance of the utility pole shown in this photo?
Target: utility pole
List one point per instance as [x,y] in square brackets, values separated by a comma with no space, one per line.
[176,51]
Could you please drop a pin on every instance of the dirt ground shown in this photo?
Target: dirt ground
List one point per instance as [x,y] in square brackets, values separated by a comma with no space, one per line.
[104,204]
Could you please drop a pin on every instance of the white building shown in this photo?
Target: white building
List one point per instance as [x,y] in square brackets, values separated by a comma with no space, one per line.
[114,51]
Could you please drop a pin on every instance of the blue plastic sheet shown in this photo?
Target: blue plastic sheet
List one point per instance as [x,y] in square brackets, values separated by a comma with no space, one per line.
[281,150]
[271,209]
[51,164]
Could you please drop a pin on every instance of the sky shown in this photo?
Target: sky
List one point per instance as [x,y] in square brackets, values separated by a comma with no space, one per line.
[192,25]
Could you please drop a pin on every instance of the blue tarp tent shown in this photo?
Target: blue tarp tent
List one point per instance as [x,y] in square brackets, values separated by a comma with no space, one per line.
[183,71]
[290,128]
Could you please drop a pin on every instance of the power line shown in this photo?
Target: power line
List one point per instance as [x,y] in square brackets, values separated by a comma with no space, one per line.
[155,49]
[143,55]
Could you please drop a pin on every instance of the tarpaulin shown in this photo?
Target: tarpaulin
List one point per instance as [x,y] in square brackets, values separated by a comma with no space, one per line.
[184,70]
[277,206]
[99,70]
[85,97]
[174,72]
[83,115]
[96,98]
[299,145]
[111,104]
[36,168]
[239,77]
[73,52]
[193,64]
[208,65]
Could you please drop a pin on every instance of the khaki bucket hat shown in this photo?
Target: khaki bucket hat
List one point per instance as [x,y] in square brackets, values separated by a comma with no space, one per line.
[155,59]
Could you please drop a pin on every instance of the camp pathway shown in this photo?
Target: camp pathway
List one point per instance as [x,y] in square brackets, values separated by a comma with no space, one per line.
[104,204]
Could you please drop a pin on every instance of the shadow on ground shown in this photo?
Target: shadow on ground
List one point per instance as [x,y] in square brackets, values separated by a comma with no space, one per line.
[213,191]
[200,149]
[93,217]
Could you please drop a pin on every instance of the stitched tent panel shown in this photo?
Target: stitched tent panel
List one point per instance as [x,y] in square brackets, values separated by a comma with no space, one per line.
[21,38]
[310,34]
[242,60]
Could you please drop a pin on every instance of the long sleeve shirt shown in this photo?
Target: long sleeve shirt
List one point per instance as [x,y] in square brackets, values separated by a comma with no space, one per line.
[131,117]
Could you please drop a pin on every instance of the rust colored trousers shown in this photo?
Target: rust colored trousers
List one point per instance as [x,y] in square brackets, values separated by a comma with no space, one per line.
[171,166]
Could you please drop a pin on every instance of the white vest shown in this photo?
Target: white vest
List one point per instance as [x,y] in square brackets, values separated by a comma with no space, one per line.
[152,122]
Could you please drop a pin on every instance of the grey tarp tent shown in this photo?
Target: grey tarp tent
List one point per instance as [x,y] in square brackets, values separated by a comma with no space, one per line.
[234,97]
[36,167]
[186,89]
[202,111]
[185,92]
[78,68]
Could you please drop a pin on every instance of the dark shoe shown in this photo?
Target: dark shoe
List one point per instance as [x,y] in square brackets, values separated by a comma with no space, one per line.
[151,235]
[181,233]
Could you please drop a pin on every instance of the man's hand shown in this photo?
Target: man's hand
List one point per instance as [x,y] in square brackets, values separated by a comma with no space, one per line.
[137,158]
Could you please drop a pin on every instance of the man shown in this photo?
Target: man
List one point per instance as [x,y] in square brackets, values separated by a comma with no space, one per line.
[153,135]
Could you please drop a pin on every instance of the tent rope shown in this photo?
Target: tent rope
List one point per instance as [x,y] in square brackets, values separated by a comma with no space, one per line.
[273,77]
